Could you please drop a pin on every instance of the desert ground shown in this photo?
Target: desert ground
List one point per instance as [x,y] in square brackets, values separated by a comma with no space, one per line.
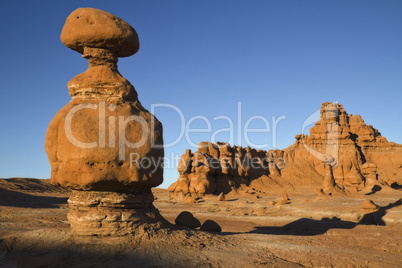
[312,230]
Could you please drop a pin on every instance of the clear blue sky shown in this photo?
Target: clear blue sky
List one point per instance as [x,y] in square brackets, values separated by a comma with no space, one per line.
[278,58]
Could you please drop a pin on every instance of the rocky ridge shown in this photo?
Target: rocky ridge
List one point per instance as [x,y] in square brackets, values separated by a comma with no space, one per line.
[341,153]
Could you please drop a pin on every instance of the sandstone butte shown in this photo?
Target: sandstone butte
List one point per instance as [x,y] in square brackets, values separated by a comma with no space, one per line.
[88,153]
[341,153]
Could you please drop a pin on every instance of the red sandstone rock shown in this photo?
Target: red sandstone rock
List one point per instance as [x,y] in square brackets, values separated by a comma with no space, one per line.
[184,165]
[221,197]
[190,200]
[285,196]
[351,143]
[90,27]
[341,153]
[369,170]
[84,151]
[103,141]
[354,189]
[369,205]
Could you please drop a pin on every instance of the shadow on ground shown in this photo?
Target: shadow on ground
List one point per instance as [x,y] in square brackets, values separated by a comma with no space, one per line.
[376,188]
[309,227]
[17,199]
[72,254]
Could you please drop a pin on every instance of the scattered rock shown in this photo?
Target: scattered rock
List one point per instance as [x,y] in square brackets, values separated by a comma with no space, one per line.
[272,203]
[285,196]
[354,189]
[221,197]
[283,200]
[369,205]
[322,196]
[211,226]
[187,219]
[190,200]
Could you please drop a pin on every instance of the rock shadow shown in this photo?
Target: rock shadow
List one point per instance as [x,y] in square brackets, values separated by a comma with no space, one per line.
[376,188]
[309,227]
[18,199]
[306,227]
[396,186]
[231,200]
[74,255]
[375,218]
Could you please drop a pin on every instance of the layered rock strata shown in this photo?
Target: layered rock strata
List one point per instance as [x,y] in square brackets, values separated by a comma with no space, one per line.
[111,213]
[357,153]
[103,144]
[341,152]
[217,168]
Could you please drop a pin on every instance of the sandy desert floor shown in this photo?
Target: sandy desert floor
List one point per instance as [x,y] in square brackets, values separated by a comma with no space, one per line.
[312,231]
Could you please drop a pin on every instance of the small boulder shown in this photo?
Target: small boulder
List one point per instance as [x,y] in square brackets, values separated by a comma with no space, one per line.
[187,219]
[285,196]
[190,200]
[211,226]
[369,205]
[221,197]
[272,203]
[354,189]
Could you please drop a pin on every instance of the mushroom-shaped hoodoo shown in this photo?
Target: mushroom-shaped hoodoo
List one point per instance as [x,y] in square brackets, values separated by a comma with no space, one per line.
[103,145]
[90,27]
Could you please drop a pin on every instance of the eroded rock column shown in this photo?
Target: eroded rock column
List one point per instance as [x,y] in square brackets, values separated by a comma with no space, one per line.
[103,145]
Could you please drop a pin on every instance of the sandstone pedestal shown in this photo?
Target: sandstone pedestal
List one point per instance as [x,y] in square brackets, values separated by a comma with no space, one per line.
[111,213]
[103,144]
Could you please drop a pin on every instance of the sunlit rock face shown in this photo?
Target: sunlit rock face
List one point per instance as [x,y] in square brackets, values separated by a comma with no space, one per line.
[221,168]
[103,144]
[357,152]
[341,152]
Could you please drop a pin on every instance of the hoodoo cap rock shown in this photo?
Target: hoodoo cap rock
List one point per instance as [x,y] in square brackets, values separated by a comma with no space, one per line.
[90,27]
